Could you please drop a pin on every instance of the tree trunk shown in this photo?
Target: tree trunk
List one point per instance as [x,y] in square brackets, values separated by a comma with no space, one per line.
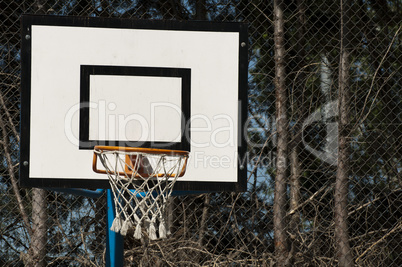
[281,250]
[298,107]
[294,199]
[344,254]
[39,217]
[39,206]
[204,219]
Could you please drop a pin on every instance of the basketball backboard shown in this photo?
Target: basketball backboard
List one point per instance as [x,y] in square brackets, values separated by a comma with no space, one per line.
[157,84]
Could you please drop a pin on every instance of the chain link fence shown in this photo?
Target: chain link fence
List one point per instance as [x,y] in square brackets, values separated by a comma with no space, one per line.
[324,176]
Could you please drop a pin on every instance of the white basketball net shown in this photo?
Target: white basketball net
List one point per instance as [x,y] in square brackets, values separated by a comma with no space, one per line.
[141,189]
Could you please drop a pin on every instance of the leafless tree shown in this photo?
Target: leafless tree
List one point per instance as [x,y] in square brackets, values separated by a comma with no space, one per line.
[341,185]
[39,215]
[281,249]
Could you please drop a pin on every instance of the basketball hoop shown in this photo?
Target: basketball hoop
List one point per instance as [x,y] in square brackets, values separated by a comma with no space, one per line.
[142,181]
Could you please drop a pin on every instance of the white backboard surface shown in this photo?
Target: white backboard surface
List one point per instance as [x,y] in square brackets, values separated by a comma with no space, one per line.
[131,117]
[177,85]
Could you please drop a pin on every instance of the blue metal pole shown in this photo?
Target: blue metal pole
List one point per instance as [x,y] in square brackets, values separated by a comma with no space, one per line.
[114,241]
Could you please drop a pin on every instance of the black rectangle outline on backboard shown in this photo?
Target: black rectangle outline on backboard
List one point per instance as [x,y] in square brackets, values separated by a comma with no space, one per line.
[85,98]
[27,21]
